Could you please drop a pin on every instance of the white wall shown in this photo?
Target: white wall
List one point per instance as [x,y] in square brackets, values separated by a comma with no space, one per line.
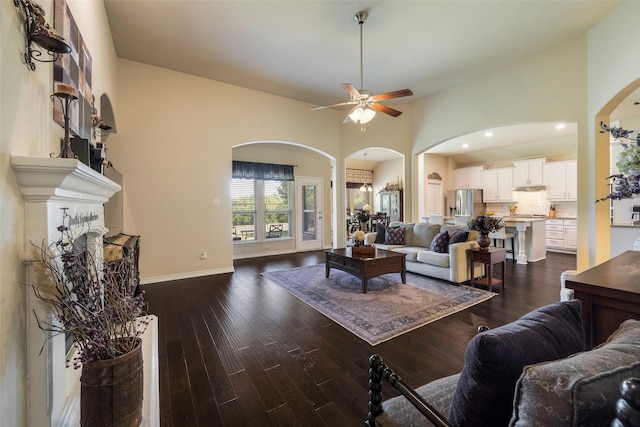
[27,129]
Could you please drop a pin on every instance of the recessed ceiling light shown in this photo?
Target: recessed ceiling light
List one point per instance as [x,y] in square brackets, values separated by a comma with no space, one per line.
[465,145]
[488,134]
[560,126]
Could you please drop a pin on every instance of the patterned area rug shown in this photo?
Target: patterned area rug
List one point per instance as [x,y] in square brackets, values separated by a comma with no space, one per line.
[387,310]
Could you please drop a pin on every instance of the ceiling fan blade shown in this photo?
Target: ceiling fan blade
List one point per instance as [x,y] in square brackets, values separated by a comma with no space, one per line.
[351,90]
[390,95]
[339,104]
[384,109]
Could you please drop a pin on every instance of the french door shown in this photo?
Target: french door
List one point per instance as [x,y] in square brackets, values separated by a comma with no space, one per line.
[309,213]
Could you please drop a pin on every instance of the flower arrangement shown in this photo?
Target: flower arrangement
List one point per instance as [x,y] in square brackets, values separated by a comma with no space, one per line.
[358,236]
[88,301]
[485,224]
[364,214]
[627,182]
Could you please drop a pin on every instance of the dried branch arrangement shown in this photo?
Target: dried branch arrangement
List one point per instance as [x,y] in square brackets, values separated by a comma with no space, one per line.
[88,301]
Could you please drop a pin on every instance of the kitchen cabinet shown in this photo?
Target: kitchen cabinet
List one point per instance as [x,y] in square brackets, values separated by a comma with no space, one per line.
[497,185]
[465,178]
[435,198]
[529,172]
[562,234]
[391,204]
[561,180]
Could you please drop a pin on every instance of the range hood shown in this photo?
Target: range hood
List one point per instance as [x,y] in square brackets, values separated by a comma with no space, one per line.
[530,188]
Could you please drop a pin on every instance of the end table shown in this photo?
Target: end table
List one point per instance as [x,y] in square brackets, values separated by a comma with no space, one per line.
[488,257]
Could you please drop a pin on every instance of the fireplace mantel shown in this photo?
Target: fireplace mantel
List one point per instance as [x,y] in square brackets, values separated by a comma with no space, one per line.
[62,180]
[48,186]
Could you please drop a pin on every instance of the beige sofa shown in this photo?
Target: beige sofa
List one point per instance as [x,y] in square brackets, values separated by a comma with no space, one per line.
[451,266]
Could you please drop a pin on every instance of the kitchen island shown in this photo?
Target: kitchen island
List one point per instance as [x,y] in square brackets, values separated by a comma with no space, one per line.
[623,237]
[531,236]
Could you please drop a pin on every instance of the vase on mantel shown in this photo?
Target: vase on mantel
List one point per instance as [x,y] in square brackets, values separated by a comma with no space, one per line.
[484,241]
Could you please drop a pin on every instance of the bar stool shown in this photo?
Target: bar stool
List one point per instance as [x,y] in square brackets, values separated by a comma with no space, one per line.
[502,235]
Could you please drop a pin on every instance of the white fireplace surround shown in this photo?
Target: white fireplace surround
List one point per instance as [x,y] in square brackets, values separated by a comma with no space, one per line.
[48,185]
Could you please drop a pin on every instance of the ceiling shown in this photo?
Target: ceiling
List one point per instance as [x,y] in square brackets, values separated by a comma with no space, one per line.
[303,50]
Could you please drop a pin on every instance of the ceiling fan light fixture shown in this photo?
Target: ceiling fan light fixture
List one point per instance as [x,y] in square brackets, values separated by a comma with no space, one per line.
[362,115]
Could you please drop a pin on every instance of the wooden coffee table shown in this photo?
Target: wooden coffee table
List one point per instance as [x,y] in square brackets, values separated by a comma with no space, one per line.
[366,267]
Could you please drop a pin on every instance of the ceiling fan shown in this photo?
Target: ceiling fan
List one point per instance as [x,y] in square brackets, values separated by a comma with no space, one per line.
[364,103]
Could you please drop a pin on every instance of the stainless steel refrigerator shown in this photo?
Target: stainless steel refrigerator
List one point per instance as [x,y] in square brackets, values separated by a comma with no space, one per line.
[465,202]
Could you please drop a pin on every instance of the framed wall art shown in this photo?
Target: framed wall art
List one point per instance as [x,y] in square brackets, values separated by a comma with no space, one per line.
[75,70]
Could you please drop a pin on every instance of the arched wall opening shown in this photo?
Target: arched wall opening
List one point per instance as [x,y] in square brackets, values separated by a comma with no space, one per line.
[308,162]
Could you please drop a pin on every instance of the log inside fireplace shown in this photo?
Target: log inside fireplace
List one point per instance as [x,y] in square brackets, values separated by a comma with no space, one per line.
[121,253]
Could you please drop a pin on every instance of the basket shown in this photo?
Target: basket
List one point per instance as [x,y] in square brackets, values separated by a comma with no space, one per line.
[363,250]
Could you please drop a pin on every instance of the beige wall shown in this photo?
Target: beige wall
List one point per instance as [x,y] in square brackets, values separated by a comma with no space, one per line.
[613,74]
[174,148]
[547,86]
[27,129]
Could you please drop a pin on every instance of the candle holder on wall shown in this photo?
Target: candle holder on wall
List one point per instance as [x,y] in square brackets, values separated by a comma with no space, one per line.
[36,30]
[66,98]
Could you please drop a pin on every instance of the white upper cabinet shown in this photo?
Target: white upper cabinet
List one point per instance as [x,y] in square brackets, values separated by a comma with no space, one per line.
[468,177]
[528,172]
[505,184]
[561,179]
[497,185]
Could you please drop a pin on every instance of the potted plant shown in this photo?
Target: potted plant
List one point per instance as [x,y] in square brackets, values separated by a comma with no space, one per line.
[626,184]
[485,224]
[94,306]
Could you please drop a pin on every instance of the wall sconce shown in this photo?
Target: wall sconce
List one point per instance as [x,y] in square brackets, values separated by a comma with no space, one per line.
[36,30]
[98,122]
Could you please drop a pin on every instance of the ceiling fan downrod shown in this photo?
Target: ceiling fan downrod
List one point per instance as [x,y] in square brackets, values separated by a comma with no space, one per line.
[360,18]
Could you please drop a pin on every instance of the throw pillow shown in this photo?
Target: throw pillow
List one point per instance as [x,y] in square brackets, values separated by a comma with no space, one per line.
[394,236]
[458,236]
[440,243]
[380,233]
[494,361]
[581,390]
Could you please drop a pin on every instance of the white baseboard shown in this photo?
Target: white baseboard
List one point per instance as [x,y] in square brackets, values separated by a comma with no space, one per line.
[189,275]
[268,253]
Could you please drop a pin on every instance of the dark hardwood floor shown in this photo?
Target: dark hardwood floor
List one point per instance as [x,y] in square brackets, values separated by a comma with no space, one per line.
[237,350]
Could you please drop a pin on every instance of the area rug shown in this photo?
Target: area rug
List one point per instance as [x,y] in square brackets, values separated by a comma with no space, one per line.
[387,310]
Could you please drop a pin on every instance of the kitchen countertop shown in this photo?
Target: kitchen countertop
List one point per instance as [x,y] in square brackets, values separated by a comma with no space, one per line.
[523,218]
[625,225]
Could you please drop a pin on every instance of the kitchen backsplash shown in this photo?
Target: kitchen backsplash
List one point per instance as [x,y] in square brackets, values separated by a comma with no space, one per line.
[534,203]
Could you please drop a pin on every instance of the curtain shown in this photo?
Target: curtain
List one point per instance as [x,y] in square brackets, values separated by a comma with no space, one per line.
[357,177]
[263,171]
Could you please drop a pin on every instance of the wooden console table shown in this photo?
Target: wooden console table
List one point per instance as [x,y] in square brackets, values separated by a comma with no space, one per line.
[610,294]
[487,257]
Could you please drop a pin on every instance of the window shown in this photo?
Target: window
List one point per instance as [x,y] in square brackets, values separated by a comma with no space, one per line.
[356,199]
[277,209]
[274,220]
[243,208]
